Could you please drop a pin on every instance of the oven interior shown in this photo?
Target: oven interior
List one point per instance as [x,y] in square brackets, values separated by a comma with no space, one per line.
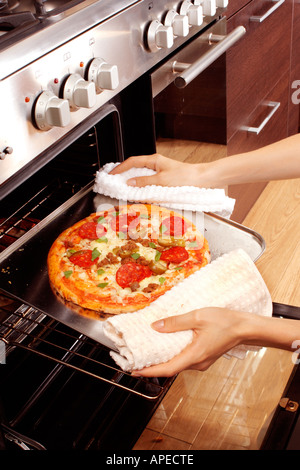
[58,388]
[61,390]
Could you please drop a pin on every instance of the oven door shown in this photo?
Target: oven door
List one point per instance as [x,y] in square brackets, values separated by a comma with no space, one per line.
[189,93]
[59,389]
[283,432]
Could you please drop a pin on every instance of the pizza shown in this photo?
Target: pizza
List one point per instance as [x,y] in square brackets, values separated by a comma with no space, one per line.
[122,259]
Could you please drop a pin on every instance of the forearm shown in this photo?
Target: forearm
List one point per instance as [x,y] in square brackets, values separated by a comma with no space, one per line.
[280,160]
[272,332]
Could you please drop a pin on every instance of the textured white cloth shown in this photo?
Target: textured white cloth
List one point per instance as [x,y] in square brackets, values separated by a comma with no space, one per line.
[231,281]
[179,197]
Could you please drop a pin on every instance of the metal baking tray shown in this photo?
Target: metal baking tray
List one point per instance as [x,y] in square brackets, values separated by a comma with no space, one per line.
[23,265]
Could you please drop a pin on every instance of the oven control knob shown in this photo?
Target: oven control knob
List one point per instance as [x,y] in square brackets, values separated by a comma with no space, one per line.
[179,23]
[222,3]
[51,111]
[159,36]
[105,76]
[193,12]
[79,92]
[209,6]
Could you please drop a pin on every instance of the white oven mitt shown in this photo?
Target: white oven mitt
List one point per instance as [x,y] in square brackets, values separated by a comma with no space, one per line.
[231,281]
[179,197]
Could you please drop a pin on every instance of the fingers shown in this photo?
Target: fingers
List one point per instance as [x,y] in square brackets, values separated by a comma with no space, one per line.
[143,161]
[183,361]
[182,322]
[215,331]
[168,172]
[142,181]
[148,161]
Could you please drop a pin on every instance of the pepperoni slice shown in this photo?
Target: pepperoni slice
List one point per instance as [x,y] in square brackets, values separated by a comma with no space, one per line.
[175,254]
[131,272]
[174,226]
[83,258]
[123,222]
[92,230]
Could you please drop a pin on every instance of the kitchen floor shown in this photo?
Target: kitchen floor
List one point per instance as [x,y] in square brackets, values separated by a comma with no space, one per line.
[229,406]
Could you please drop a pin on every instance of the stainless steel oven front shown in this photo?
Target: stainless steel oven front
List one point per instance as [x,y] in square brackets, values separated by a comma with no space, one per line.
[189,89]
[82,85]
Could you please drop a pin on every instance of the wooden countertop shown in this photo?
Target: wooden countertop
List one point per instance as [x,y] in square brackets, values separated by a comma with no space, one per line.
[230,405]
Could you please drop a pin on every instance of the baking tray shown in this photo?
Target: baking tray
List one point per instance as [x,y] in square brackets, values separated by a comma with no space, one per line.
[23,265]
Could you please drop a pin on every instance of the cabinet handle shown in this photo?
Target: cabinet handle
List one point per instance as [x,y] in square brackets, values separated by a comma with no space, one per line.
[256,130]
[260,19]
[191,71]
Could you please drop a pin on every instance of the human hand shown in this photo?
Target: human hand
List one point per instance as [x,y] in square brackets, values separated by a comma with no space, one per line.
[169,172]
[216,331]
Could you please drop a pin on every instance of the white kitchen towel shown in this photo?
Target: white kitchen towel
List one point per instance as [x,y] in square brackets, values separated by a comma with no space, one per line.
[231,281]
[179,197]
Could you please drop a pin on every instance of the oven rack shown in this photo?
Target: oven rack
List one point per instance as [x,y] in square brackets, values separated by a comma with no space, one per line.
[31,330]
[37,207]
[49,188]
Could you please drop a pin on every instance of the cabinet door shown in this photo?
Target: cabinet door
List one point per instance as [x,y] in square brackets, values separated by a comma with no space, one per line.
[295,73]
[258,61]
[273,129]
[266,124]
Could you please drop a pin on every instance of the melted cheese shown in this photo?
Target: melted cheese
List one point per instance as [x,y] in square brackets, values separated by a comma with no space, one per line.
[108,273]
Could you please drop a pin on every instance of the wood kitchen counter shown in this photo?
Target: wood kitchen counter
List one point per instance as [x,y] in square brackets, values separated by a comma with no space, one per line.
[230,405]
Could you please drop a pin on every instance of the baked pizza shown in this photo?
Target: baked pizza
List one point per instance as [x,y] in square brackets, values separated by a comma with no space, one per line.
[122,259]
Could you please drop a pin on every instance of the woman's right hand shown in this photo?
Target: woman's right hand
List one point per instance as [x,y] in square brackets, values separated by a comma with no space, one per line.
[216,331]
[169,172]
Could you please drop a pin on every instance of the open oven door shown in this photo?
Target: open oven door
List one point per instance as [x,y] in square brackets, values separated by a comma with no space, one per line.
[284,430]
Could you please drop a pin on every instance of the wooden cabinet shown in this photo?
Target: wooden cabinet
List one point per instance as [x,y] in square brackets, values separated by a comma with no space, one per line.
[258,85]
[257,62]
[293,124]
[270,115]
[274,129]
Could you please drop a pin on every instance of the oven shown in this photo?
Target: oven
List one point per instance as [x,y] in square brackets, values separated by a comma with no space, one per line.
[84,83]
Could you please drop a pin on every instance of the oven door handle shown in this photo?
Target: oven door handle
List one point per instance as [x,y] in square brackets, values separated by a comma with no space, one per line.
[191,71]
